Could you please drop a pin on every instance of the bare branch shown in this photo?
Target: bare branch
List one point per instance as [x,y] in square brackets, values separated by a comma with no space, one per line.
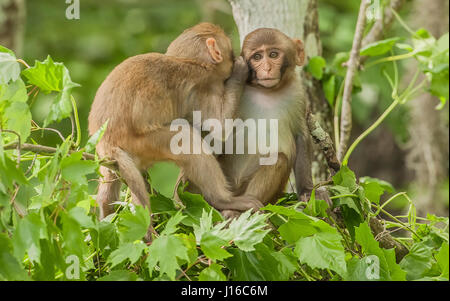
[18,143]
[353,63]
[42,149]
[324,141]
[380,26]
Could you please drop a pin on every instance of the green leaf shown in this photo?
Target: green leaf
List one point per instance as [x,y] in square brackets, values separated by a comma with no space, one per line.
[130,251]
[9,67]
[6,50]
[10,268]
[352,219]
[345,177]
[379,47]
[18,119]
[358,269]
[47,75]
[10,173]
[212,246]
[162,204]
[79,214]
[171,226]
[73,238]
[389,269]
[262,264]
[288,212]
[53,77]
[26,237]
[195,204]
[247,230]
[316,207]
[74,169]
[94,139]
[323,250]
[442,259]
[165,250]
[315,66]
[294,229]
[119,275]
[133,226]
[212,273]
[329,88]
[104,234]
[14,91]
[417,262]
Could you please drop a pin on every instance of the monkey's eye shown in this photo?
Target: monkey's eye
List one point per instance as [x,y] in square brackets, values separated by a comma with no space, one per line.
[257,57]
[273,54]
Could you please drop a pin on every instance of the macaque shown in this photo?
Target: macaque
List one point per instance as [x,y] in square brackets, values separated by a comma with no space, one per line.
[274,91]
[145,93]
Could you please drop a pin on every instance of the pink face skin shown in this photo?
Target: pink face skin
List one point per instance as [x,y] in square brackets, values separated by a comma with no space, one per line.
[266,63]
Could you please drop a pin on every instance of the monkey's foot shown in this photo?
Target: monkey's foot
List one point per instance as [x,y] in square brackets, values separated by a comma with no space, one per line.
[244,203]
[230,214]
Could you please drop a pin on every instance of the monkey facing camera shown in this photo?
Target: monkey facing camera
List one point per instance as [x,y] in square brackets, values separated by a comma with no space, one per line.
[273,91]
[145,93]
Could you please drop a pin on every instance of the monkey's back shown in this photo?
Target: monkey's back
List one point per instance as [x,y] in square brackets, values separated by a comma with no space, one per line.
[138,94]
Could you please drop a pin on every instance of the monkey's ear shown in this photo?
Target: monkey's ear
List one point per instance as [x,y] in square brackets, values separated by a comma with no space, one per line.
[214,50]
[300,49]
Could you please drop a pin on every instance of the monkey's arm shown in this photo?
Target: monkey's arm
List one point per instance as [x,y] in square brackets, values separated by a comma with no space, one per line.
[234,87]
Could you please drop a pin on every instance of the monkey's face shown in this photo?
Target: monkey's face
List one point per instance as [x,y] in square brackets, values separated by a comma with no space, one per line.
[271,57]
[267,65]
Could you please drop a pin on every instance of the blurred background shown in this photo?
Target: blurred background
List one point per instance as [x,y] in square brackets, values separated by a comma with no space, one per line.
[109,31]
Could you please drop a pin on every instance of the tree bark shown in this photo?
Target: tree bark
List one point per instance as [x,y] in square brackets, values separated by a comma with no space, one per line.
[429,143]
[12,24]
[297,19]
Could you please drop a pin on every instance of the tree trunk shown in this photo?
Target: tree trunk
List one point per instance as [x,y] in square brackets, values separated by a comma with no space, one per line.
[297,19]
[12,24]
[428,145]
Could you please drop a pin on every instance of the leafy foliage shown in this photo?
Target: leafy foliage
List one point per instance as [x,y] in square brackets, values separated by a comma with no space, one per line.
[47,216]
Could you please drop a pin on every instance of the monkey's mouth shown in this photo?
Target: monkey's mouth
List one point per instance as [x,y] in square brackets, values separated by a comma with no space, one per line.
[268,82]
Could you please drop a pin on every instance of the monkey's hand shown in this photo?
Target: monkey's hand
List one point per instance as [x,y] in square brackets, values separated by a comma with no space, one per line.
[240,70]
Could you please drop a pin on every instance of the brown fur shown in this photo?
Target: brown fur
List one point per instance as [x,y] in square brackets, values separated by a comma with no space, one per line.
[267,183]
[145,93]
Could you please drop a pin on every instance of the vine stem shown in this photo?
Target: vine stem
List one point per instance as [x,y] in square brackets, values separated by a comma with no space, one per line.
[392,58]
[77,121]
[23,63]
[369,130]
[398,221]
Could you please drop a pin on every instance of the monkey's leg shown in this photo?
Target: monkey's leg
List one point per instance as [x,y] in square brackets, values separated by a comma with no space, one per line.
[135,181]
[108,192]
[269,180]
[266,183]
[201,169]
[134,197]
